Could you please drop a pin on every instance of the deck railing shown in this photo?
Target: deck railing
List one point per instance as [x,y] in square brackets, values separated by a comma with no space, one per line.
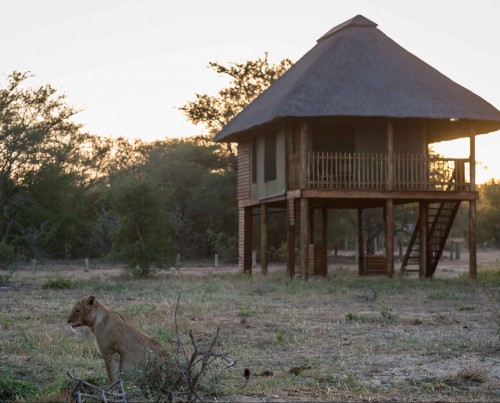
[368,171]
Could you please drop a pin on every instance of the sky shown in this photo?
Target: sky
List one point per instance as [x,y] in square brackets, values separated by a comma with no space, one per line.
[130,64]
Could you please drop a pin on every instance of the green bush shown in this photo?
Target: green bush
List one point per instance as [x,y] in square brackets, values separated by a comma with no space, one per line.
[8,255]
[351,316]
[141,238]
[226,246]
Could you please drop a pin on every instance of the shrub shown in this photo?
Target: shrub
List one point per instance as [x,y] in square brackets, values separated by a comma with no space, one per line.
[226,246]
[141,238]
[351,316]
[8,257]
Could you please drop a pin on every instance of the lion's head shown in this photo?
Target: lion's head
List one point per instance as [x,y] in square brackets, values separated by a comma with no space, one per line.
[83,313]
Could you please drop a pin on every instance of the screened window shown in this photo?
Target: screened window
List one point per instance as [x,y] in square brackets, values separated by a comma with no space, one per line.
[254,161]
[270,158]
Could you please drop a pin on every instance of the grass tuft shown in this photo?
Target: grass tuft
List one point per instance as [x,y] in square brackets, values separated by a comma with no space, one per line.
[58,284]
[13,388]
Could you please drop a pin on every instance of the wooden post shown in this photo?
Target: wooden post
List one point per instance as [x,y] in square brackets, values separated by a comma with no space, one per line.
[304,237]
[324,238]
[472,206]
[311,261]
[472,158]
[264,244]
[290,252]
[312,218]
[472,240]
[423,209]
[361,244]
[245,239]
[303,147]
[390,155]
[389,236]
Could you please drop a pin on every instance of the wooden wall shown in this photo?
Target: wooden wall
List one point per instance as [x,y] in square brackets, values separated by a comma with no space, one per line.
[244,171]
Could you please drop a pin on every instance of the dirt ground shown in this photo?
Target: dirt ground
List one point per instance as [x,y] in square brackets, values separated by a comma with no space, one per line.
[98,270]
[339,338]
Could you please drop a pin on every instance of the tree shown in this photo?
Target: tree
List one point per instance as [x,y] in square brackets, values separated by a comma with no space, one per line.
[488,215]
[247,80]
[141,238]
[52,172]
[201,188]
[37,145]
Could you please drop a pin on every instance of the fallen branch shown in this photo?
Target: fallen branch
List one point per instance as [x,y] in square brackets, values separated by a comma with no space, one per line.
[114,393]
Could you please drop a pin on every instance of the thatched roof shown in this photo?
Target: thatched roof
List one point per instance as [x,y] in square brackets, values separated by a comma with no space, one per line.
[355,70]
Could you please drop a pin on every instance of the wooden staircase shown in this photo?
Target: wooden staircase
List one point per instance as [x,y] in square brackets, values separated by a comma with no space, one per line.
[440,217]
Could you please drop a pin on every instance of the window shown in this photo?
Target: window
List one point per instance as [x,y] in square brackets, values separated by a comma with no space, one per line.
[254,161]
[270,158]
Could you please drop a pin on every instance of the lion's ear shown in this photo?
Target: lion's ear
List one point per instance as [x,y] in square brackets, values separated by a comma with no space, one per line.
[91,300]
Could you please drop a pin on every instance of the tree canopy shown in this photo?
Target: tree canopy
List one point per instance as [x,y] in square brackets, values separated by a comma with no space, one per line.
[247,80]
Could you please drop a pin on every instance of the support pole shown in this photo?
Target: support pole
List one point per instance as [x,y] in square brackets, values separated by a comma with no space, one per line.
[303,146]
[472,240]
[290,253]
[304,237]
[324,238]
[361,244]
[472,158]
[472,206]
[423,210]
[389,236]
[290,250]
[390,155]
[312,239]
[245,239]
[264,244]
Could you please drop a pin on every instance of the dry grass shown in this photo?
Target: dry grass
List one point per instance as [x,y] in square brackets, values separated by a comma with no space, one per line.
[417,340]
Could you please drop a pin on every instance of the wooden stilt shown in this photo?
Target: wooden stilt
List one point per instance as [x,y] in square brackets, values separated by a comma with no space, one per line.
[312,239]
[423,209]
[324,239]
[245,239]
[389,236]
[304,238]
[472,206]
[361,244]
[290,252]
[472,240]
[264,246]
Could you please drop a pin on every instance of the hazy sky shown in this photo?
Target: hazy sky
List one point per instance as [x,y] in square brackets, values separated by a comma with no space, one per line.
[129,64]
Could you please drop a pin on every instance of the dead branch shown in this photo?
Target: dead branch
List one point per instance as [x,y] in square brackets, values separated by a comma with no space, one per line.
[198,363]
[114,393]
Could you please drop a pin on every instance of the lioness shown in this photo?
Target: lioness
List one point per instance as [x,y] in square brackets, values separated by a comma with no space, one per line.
[120,343]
